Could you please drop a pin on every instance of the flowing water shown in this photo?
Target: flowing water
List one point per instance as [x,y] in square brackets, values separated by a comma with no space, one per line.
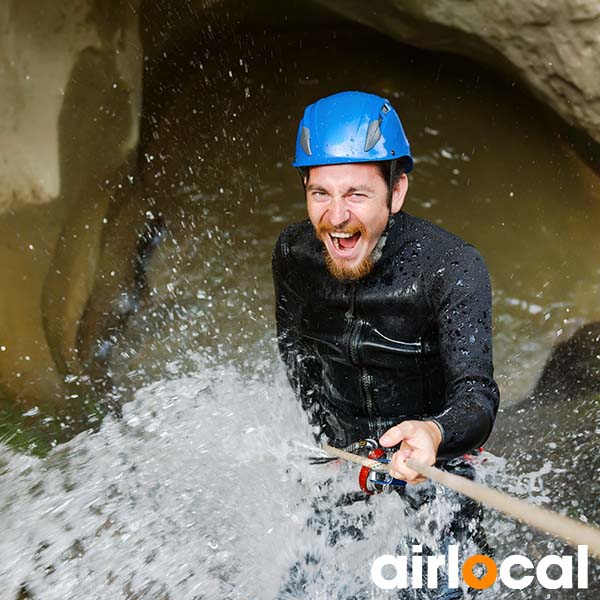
[203,489]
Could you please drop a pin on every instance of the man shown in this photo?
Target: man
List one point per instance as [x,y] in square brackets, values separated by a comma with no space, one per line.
[383,319]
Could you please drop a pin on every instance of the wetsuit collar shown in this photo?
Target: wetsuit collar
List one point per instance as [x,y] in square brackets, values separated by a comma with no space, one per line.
[393,231]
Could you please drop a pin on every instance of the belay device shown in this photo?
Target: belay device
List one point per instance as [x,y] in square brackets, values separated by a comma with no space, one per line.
[370,481]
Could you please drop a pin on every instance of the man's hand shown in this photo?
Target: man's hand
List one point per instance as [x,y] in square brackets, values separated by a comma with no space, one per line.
[420,441]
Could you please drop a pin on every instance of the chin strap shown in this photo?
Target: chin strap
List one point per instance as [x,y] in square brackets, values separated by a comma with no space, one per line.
[390,220]
[391,186]
[301,174]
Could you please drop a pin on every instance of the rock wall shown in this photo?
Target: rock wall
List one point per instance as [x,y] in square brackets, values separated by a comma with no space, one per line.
[72,208]
[40,44]
[552,46]
[70,85]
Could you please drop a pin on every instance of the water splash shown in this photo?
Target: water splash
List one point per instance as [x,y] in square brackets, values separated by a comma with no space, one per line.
[204,490]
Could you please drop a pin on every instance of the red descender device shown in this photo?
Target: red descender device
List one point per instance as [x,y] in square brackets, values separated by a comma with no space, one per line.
[370,481]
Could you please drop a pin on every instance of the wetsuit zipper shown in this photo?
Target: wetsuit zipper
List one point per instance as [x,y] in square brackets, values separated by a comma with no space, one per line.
[366,380]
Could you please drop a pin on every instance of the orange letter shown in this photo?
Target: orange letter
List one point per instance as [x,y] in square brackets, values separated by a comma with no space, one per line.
[487,580]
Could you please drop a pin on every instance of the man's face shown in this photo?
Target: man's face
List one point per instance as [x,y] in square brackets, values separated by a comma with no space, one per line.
[348,207]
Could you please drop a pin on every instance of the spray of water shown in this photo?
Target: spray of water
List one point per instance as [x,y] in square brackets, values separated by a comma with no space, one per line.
[204,489]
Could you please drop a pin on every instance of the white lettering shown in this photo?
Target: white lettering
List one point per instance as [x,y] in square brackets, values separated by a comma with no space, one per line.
[506,577]
[453,566]
[400,579]
[433,565]
[565,581]
[398,572]
[582,567]
[417,568]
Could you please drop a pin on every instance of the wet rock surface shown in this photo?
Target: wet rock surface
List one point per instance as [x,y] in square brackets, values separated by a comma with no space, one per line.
[554,432]
[70,95]
[573,370]
[552,47]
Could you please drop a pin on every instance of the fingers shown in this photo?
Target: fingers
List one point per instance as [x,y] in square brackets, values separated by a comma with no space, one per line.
[394,435]
[419,440]
[400,470]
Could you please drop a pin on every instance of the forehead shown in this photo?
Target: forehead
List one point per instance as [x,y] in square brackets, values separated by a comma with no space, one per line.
[347,175]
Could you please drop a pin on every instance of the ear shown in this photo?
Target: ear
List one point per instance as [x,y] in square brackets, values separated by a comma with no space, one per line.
[399,193]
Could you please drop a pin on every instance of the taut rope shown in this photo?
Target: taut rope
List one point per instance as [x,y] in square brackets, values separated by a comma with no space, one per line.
[571,531]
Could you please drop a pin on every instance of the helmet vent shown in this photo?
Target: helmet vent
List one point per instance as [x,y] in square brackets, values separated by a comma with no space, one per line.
[305,140]
[373,135]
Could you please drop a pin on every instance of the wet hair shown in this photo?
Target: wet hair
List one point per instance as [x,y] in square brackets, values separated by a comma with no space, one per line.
[384,166]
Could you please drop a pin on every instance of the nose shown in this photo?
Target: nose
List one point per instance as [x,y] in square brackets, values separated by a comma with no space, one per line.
[338,212]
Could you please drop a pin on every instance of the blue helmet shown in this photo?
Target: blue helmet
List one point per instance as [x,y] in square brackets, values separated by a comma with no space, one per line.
[351,127]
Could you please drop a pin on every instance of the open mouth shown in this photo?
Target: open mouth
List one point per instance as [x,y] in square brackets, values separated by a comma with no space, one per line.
[344,243]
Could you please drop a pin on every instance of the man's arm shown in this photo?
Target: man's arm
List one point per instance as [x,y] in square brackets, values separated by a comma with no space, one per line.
[461,297]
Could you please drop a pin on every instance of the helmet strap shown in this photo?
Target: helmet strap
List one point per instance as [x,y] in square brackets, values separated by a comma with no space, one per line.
[391,185]
[302,176]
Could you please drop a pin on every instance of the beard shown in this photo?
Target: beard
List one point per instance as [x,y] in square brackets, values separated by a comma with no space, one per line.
[347,272]
[341,269]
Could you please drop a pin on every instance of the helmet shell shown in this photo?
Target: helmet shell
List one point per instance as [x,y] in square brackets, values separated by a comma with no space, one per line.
[350,127]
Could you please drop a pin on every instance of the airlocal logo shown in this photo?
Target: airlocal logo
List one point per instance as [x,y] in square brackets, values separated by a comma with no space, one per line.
[398,568]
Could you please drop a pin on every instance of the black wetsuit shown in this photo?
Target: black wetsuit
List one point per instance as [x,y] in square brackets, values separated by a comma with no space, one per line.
[411,340]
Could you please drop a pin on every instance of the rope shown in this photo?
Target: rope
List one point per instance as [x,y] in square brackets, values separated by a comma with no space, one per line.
[571,531]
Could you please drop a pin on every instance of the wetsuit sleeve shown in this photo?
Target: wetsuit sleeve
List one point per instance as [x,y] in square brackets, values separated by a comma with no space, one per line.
[299,357]
[462,299]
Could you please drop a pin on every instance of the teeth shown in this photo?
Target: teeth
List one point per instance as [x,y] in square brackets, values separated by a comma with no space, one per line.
[341,235]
